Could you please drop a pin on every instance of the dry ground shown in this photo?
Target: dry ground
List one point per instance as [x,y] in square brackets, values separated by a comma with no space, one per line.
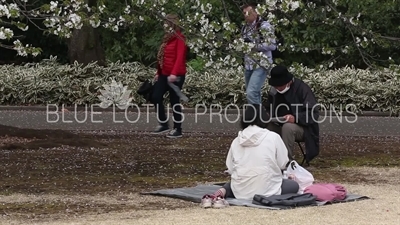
[382,208]
[94,178]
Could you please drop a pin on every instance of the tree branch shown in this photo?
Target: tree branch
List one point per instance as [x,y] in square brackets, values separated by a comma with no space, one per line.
[365,59]
[390,38]
[27,16]
[226,10]
[6,46]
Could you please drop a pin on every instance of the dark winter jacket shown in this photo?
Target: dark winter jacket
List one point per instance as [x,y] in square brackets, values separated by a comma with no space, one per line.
[305,109]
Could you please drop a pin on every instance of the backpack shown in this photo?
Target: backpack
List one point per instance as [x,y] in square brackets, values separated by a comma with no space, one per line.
[279,38]
[285,200]
[327,192]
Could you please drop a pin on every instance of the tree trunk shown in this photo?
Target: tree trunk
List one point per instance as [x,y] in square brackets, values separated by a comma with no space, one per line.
[85,46]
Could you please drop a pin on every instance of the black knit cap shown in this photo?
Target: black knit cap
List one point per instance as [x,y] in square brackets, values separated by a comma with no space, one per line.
[280,76]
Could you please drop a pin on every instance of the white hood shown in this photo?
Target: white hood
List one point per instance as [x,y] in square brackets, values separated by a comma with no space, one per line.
[252,136]
[255,160]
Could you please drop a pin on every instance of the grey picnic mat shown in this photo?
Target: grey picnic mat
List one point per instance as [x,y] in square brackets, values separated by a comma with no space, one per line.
[194,194]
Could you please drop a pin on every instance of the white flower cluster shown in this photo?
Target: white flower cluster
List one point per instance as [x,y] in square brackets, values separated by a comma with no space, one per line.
[6,33]
[9,10]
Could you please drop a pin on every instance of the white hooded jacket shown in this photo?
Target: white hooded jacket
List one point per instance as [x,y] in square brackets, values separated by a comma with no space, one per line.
[255,160]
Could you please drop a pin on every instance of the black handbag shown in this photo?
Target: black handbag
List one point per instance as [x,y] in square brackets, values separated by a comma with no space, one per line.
[146,90]
[286,200]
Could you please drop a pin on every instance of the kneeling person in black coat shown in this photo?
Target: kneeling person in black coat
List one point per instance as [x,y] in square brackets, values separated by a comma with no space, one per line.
[291,98]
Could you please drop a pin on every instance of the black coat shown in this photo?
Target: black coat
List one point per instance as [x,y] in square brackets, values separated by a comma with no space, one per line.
[305,108]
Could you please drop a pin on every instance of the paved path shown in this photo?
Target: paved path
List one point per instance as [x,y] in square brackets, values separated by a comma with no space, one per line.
[346,125]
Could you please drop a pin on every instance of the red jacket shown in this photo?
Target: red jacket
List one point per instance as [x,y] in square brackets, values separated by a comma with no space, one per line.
[174,57]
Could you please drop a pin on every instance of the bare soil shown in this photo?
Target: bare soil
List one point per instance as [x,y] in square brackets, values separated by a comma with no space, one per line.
[57,174]
[36,139]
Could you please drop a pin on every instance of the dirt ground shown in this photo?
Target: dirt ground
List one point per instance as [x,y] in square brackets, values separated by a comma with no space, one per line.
[55,176]
[382,208]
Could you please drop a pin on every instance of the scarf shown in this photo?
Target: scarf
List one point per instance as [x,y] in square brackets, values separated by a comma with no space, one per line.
[160,56]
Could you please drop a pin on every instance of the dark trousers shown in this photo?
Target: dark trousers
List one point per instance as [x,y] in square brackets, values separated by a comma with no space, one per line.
[160,88]
[287,187]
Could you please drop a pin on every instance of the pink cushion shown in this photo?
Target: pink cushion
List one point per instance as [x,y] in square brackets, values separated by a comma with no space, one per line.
[327,191]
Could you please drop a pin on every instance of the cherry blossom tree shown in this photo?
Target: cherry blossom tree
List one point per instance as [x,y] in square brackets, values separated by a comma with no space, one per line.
[215,39]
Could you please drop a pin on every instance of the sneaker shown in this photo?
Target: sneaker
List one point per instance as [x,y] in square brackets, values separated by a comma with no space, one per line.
[206,201]
[161,129]
[220,202]
[174,133]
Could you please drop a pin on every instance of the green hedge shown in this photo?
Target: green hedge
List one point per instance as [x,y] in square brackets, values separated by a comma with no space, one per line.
[50,82]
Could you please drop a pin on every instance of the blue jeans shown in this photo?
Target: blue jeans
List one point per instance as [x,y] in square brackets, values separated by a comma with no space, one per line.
[254,81]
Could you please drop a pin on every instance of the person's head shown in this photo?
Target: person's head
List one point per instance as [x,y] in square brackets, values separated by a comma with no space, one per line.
[171,23]
[254,114]
[281,79]
[249,12]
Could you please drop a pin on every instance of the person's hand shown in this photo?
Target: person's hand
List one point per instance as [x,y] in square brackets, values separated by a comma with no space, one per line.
[226,172]
[172,78]
[289,118]
[291,177]
[254,49]
[156,77]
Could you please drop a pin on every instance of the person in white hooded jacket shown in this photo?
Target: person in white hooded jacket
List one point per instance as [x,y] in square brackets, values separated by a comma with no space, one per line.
[255,161]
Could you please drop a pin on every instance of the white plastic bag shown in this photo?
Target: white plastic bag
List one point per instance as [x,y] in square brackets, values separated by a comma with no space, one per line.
[300,175]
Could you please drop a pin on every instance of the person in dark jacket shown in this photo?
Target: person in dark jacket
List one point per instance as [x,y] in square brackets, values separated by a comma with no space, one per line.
[293,100]
[171,69]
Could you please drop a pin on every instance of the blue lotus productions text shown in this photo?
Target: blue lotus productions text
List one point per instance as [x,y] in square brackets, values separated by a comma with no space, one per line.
[214,113]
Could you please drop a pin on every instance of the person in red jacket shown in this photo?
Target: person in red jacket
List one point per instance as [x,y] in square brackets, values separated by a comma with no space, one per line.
[171,68]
